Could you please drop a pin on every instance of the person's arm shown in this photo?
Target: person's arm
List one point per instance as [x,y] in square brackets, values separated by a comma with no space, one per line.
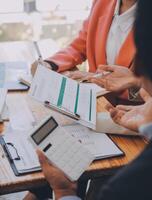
[69,57]
[74,54]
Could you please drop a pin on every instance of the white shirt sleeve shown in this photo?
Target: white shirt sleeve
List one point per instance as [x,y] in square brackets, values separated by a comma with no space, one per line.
[70,198]
[146,130]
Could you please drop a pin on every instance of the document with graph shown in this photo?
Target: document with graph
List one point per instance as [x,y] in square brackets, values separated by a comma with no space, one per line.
[65,95]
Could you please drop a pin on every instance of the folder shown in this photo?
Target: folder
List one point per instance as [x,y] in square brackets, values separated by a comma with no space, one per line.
[18,157]
[65,95]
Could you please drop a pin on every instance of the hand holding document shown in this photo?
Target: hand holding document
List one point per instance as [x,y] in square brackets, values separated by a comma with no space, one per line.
[65,94]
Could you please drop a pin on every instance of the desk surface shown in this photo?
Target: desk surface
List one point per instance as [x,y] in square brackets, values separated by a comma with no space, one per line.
[131,146]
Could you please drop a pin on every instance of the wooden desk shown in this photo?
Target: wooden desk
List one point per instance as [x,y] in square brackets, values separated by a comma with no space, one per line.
[9,183]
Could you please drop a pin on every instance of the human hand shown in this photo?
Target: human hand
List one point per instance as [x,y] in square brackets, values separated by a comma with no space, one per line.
[35,64]
[132,117]
[76,75]
[144,95]
[60,184]
[119,78]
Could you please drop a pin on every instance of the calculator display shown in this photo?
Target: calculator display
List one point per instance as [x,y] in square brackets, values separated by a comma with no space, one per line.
[44,131]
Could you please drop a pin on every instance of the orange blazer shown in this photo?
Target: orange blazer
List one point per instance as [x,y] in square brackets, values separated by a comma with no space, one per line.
[91,41]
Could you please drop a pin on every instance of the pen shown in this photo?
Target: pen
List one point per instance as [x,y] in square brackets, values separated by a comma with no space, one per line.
[98,75]
[62,111]
[38,51]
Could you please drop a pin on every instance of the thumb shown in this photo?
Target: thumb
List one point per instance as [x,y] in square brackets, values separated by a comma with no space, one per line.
[144,95]
[42,159]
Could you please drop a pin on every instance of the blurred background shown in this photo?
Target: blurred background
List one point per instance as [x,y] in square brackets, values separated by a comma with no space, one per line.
[58,20]
[54,22]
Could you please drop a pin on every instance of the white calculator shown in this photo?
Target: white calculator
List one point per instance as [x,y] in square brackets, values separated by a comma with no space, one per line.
[61,148]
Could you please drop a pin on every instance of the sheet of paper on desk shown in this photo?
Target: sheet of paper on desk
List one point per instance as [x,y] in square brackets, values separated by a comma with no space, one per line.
[28,157]
[100,144]
[21,117]
[66,94]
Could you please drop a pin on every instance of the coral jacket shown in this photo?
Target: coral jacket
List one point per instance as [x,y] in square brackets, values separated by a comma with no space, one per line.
[91,41]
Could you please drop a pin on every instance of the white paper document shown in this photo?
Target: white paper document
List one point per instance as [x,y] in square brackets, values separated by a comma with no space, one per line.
[21,117]
[100,91]
[65,94]
[99,144]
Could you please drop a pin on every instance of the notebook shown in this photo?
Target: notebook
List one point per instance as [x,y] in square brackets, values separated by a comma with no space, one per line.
[20,153]
[101,145]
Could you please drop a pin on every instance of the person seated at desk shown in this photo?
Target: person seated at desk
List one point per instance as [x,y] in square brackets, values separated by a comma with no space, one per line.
[134,180]
[105,39]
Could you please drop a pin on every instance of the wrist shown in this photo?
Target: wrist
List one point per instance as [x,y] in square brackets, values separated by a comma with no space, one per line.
[62,193]
[52,65]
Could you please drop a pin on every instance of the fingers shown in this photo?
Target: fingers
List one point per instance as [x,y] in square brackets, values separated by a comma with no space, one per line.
[70,74]
[100,82]
[116,115]
[34,67]
[76,76]
[41,156]
[66,73]
[73,75]
[35,64]
[106,68]
[125,108]
[109,106]
[105,83]
[43,159]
